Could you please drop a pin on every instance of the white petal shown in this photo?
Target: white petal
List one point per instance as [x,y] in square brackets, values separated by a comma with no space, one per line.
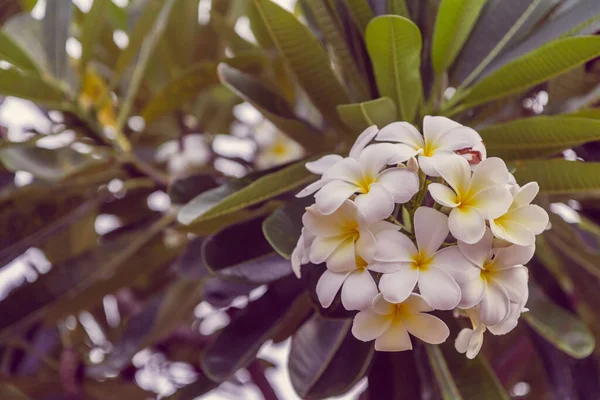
[433,127]
[394,246]
[382,306]
[438,289]
[509,323]
[475,343]
[472,293]
[533,217]
[457,139]
[377,204]
[362,140]
[466,224]
[490,172]
[368,325]
[323,164]
[455,170]
[323,247]
[480,252]
[312,188]
[381,226]
[513,255]
[426,327]
[401,132]
[386,267]
[328,285]
[395,338]
[358,291]
[512,232]
[347,170]
[491,202]
[343,258]
[397,286]
[400,182]
[333,194]
[495,305]
[431,229]
[330,225]
[462,340]
[514,281]
[377,156]
[526,194]
[365,245]
[298,254]
[452,260]
[428,164]
[416,304]
[443,195]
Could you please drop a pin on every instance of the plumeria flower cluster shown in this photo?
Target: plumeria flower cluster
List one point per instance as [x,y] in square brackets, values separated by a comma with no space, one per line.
[410,223]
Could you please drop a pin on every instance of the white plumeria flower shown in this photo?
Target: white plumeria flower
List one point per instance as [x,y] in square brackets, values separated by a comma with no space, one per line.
[404,264]
[346,242]
[442,136]
[473,198]
[194,153]
[523,220]
[497,278]
[301,252]
[469,341]
[364,173]
[390,324]
[275,148]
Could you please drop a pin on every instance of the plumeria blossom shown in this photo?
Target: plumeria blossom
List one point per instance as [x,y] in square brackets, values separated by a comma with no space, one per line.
[497,279]
[301,252]
[523,220]
[389,324]
[192,152]
[473,198]
[364,173]
[441,136]
[404,265]
[274,147]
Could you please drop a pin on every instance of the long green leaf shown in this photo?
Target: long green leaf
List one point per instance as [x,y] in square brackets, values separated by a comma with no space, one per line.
[535,67]
[395,376]
[182,32]
[26,32]
[454,22]
[91,30]
[361,13]
[538,136]
[360,116]
[30,86]
[56,31]
[394,44]
[558,326]
[561,177]
[11,52]
[305,58]
[442,373]
[398,7]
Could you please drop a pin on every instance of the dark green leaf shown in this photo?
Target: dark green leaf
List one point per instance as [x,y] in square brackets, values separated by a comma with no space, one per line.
[26,33]
[30,86]
[220,293]
[11,52]
[190,264]
[234,41]
[360,116]
[185,189]
[361,13]
[561,177]
[394,376]
[91,30]
[182,32]
[442,373]
[57,21]
[282,228]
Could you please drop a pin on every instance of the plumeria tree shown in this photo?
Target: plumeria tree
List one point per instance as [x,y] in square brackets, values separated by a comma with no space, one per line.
[404,192]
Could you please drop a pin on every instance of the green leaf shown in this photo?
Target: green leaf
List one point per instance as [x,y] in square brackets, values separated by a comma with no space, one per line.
[11,52]
[204,206]
[561,177]
[51,165]
[360,116]
[535,67]
[331,27]
[585,113]
[255,262]
[305,57]
[182,31]
[538,136]
[28,5]
[442,373]
[234,41]
[57,21]
[184,189]
[394,44]
[454,22]
[91,30]
[557,325]
[398,7]
[272,103]
[325,359]
[26,32]
[395,376]
[236,345]
[9,392]
[282,228]
[180,90]
[30,86]
[361,13]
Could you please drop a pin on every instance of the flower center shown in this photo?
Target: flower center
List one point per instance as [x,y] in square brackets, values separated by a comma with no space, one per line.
[487,270]
[401,311]
[279,149]
[361,264]
[365,183]
[429,149]
[421,261]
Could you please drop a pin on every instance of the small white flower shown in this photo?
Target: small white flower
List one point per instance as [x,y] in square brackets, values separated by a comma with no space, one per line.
[442,136]
[523,220]
[275,148]
[390,324]
[193,154]
[469,341]
[364,173]
[497,279]
[473,198]
[301,252]
[404,264]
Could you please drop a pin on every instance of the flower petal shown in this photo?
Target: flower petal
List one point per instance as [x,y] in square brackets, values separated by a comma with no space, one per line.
[466,224]
[382,306]
[365,245]
[509,323]
[322,248]
[526,194]
[381,226]
[472,292]
[433,127]
[461,343]
[426,327]
[347,170]
[395,338]
[438,288]
[456,139]
[416,303]
[312,188]
[377,204]
[512,232]
[490,172]
[454,169]
[443,195]
[492,202]
[369,325]
[397,286]
[533,217]
[452,260]
[400,182]
[321,165]
[334,224]
[358,290]
[401,132]
[377,156]
[333,194]
[394,246]
[475,343]
[362,140]
[514,281]
[343,258]
[431,229]
[328,285]
[510,256]
[479,252]
[495,305]
[386,267]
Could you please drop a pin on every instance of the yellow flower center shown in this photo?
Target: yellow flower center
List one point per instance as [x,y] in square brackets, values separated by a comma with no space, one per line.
[421,261]
[429,149]
[279,149]
[360,262]
[401,312]
[488,270]
[365,183]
